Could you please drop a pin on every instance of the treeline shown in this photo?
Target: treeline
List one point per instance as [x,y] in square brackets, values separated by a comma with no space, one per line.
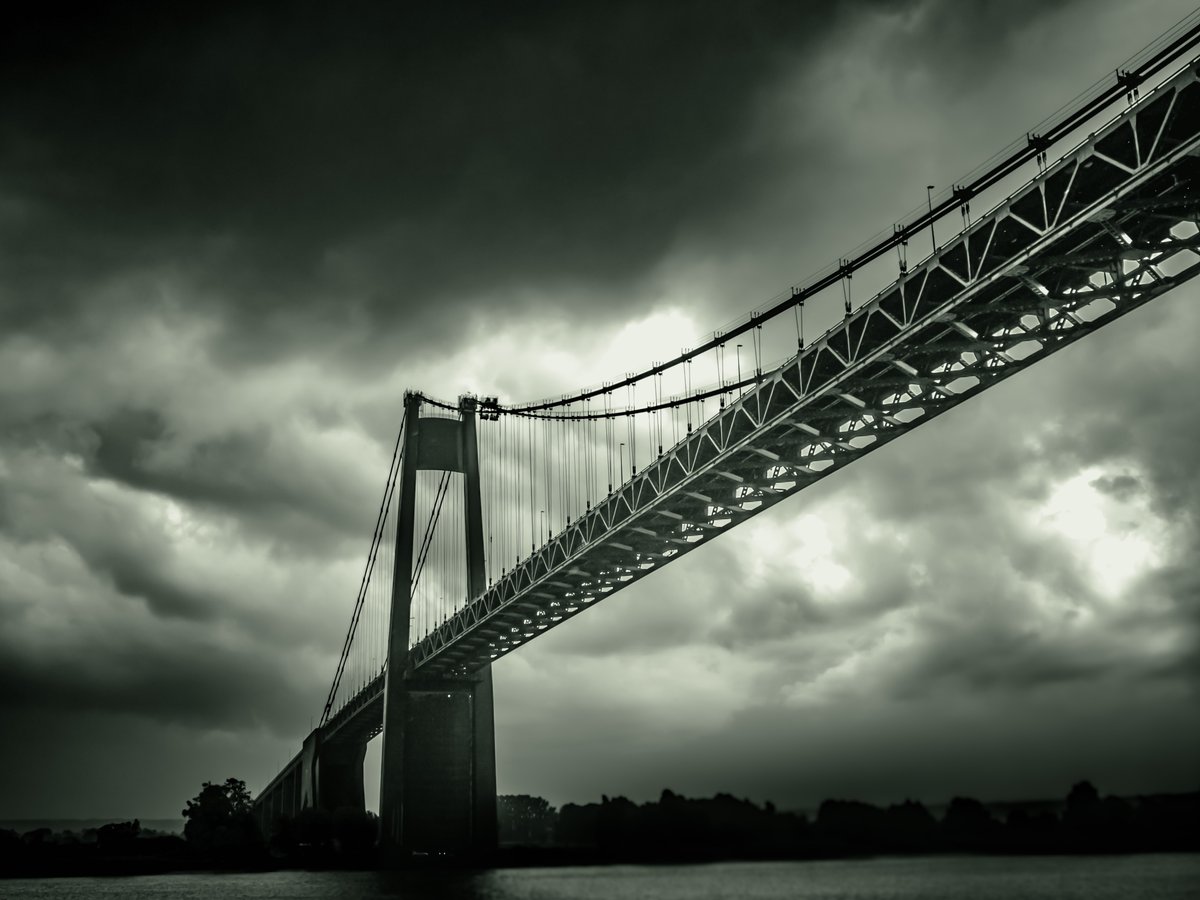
[723,826]
[221,832]
[115,849]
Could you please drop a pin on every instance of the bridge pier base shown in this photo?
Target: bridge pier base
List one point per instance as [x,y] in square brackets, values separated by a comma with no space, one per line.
[444,799]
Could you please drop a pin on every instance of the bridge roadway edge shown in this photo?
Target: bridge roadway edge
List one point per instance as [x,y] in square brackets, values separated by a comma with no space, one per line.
[548,575]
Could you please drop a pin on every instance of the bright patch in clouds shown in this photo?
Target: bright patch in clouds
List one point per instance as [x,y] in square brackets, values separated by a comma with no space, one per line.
[1114,535]
[803,550]
[521,363]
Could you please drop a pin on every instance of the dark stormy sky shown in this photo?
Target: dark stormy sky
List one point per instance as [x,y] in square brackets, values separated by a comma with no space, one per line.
[230,239]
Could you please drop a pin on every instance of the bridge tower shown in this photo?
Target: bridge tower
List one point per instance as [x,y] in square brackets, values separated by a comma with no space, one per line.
[438,785]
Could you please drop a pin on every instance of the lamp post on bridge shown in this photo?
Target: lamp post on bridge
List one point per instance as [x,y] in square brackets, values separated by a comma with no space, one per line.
[929,203]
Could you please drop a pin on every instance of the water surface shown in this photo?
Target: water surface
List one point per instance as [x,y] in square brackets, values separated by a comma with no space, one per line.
[1142,877]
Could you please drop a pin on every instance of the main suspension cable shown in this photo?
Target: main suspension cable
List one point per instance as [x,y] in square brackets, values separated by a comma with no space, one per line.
[1034,147]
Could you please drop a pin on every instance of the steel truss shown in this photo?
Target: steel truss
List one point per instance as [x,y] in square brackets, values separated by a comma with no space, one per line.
[1108,228]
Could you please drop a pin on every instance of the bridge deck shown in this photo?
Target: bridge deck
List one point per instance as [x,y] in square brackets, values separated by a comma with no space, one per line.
[1086,241]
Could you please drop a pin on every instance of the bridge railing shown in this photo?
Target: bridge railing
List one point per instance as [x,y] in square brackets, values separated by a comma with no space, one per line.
[1129,151]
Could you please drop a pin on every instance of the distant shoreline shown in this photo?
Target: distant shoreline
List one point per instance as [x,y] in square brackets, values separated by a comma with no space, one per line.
[78,826]
[674,830]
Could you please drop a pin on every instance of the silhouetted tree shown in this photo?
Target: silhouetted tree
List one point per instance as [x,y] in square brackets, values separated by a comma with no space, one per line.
[968,825]
[1032,832]
[850,826]
[220,821]
[677,827]
[1082,802]
[578,825]
[1093,824]
[1168,822]
[524,819]
[618,825]
[910,828]
[37,837]
[118,836]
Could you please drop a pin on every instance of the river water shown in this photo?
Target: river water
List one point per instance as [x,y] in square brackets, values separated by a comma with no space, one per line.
[1143,877]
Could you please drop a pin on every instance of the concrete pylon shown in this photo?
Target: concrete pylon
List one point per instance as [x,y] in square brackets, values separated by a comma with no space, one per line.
[438,785]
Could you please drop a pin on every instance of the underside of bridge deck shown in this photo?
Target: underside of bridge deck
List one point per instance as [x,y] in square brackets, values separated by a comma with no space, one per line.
[1110,226]
[1100,233]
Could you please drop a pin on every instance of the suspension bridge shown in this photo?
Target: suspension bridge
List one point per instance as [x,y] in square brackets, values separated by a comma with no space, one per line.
[500,521]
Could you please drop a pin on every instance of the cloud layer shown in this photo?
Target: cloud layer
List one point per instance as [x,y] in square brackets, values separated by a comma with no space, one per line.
[233,239]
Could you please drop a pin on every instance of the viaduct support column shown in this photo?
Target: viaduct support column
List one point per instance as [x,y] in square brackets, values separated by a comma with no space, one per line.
[340,776]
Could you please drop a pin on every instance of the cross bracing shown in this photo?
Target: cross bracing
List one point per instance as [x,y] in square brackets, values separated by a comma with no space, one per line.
[1088,240]
[1106,229]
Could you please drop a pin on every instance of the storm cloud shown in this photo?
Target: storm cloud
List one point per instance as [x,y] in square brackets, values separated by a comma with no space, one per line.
[232,237]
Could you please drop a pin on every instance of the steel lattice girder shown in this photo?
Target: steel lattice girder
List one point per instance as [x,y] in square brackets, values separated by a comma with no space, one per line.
[361,717]
[1011,290]
[1083,243]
